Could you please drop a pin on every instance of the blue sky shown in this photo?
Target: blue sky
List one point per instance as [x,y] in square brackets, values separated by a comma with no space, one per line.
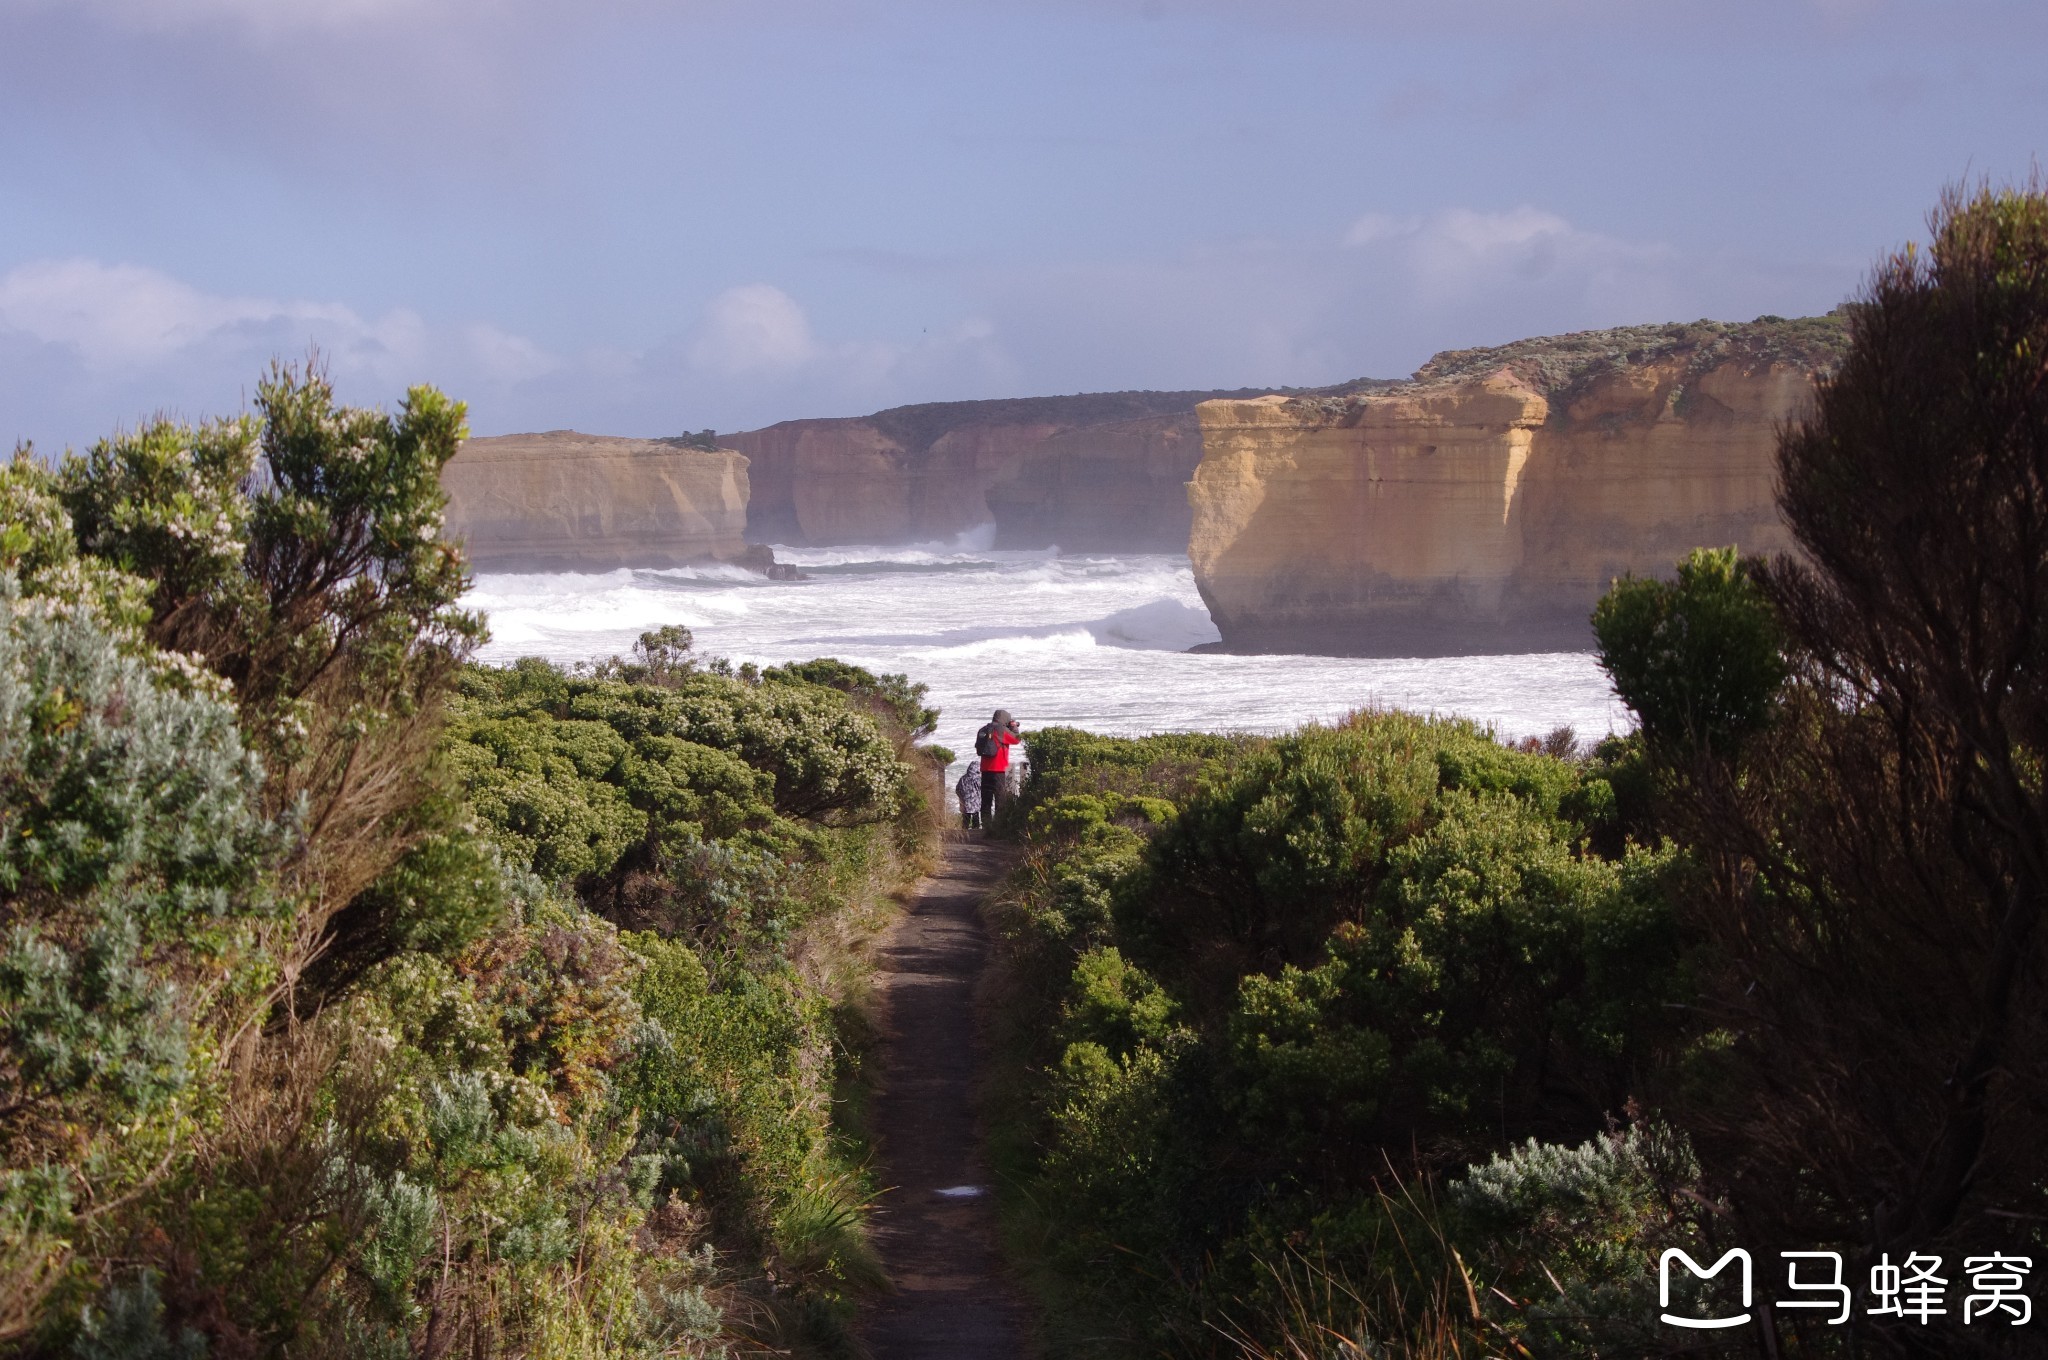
[639,217]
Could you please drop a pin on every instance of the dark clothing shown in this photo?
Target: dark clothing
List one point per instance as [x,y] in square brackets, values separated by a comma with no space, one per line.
[991,785]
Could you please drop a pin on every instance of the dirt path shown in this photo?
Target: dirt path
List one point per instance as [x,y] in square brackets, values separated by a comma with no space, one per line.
[936,1228]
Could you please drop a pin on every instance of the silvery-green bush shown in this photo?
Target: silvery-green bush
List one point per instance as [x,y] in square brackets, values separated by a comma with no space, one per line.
[132,857]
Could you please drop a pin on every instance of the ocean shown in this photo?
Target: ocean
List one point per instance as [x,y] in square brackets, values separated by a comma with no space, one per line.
[1096,641]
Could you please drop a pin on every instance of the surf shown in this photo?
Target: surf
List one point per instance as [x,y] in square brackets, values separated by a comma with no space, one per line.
[1092,640]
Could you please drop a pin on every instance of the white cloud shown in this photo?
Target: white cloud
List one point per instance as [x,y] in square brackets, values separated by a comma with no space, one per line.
[1376,227]
[124,314]
[86,346]
[125,321]
[508,357]
[97,344]
[1460,254]
[754,352]
[754,328]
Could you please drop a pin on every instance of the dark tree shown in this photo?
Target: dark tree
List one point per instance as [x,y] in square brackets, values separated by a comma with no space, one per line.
[1874,838]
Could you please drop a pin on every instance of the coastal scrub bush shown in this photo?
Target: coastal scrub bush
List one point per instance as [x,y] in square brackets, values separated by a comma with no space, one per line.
[1567,1237]
[732,1109]
[38,547]
[1544,1250]
[893,698]
[1386,944]
[1700,658]
[315,1036]
[704,805]
[721,817]
[134,895]
[1073,813]
[296,553]
[1259,869]
[1169,765]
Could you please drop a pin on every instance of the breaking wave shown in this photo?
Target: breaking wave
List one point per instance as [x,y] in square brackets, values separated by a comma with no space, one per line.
[1097,641]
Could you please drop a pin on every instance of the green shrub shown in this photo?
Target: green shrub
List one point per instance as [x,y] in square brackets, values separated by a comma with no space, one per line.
[133,862]
[318,1038]
[1073,813]
[1169,766]
[1260,867]
[822,760]
[38,547]
[1570,1235]
[1387,944]
[891,698]
[1699,659]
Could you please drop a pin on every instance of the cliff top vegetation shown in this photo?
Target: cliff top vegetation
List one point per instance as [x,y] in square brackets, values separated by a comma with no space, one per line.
[1558,366]
[1562,366]
[1554,364]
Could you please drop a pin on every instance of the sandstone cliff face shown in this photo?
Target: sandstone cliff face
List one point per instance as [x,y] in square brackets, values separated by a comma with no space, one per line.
[1486,505]
[1090,473]
[565,501]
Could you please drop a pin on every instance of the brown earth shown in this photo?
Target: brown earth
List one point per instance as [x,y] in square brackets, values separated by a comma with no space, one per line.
[951,1300]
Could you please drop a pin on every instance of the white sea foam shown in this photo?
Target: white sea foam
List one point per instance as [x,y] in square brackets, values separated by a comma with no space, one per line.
[969,545]
[1096,641]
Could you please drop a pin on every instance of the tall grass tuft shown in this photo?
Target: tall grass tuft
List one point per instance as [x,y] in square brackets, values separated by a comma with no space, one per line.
[821,1231]
[1412,1297]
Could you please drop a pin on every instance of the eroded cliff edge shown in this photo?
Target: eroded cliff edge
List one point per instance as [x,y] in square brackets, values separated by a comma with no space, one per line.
[1102,472]
[1483,506]
[564,501]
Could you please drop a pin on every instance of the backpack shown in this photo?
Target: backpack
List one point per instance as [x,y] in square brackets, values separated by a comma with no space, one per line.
[985,742]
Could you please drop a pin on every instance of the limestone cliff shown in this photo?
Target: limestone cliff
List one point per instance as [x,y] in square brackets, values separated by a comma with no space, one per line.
[1101,472]
[1485,505]
[564,501]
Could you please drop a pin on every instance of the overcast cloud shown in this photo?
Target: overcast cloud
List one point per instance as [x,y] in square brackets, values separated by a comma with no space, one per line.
[642,217]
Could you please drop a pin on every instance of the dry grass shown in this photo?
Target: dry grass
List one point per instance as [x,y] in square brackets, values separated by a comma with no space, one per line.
[1419,1302]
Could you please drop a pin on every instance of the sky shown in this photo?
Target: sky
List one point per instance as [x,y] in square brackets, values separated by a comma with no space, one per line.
[650,216]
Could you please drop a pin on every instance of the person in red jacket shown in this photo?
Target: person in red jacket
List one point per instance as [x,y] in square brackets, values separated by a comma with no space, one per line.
[992,744]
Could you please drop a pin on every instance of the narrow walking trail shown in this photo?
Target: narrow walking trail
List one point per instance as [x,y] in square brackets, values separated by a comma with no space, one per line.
[936,1226]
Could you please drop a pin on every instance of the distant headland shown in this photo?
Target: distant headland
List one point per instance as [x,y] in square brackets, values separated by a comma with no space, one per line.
[1478,507]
